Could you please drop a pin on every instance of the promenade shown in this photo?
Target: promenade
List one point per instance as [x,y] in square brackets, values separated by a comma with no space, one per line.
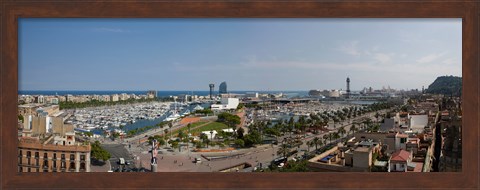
[170,160]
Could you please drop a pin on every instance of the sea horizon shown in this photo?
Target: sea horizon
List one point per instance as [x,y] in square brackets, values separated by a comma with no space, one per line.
[160,93]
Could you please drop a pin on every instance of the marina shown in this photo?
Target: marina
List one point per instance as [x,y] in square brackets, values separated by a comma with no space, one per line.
[123,118]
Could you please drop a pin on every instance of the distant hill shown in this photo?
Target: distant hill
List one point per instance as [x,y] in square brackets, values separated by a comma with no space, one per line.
[447,85]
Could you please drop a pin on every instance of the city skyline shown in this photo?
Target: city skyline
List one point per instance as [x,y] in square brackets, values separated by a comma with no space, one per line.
[249,54]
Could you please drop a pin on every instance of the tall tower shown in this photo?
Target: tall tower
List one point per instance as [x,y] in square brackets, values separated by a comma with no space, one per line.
[348,87]
[211,90]
[222,89]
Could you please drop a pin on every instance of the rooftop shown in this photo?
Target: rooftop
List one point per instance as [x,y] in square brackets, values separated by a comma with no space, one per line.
[362,149]
[401,156]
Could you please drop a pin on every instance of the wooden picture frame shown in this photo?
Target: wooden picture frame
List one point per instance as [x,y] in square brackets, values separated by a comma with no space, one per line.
[11,11]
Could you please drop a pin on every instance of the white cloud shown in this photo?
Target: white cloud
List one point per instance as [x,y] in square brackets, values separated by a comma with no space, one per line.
[350,48]
[382,58]
[450,61]
[429,58]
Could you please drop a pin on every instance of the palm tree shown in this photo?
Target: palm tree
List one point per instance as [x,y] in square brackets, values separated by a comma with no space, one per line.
[353,128]
[165,134]
[335,120]
[204,138]
[335,135]
[342,131]
[316,142]
[316,125]
[189,126]
[170,125]
[325,137]
[283,149]
[309,144]
[320,142]
[330,136]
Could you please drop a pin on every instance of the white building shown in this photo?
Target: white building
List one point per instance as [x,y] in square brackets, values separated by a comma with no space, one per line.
[334,94]
[400,161]
[114,98]
[54,101]
[251,95]
[124,96]
[210,134]
[418,123]
[226,104]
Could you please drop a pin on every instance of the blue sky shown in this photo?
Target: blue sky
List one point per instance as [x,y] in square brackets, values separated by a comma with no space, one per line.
[249,54]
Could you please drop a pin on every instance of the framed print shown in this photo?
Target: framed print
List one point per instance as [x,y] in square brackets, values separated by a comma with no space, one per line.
[220,94]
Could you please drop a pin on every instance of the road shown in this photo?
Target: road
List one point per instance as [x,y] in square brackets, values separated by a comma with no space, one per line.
[117,151]
[346,126]
[183,161]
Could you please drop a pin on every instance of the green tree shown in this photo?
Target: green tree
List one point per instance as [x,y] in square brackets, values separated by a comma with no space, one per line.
[159,139]
[175,145]
[316,141]
[20,117]
[240,132]
[181,135]
[115,135]
[204,138]
[98,152]
[229,119]
[170,125]
[252,138]
[284,149]
[342,131]
[309,144]
[240,143]
[325,137]
[240,106]
[89,134]
[353,128]
[292,166]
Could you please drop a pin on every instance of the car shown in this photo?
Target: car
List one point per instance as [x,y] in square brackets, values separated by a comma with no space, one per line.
[121,161]
[198,160]
[279,160]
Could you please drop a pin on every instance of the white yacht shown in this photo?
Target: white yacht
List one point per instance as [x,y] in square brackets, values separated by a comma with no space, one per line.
[174,114]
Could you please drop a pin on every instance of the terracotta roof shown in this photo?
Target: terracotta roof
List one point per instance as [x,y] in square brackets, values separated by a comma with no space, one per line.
[401,156]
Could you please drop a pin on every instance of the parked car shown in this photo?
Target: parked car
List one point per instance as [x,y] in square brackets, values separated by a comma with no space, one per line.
[198,160]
